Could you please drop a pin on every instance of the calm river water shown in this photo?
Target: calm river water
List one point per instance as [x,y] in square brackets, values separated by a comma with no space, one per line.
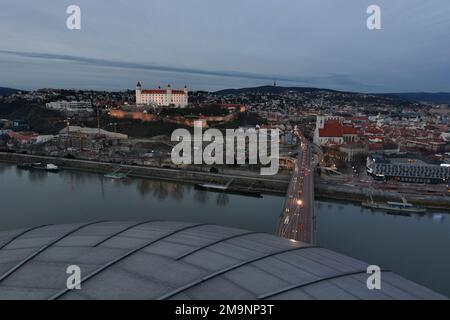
[417,247]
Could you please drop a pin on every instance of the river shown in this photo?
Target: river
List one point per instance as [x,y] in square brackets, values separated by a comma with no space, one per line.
[417,247]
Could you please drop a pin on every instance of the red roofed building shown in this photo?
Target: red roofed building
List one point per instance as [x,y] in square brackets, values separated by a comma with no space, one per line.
[22,137]
[330,130]
[373,131]
[359,119]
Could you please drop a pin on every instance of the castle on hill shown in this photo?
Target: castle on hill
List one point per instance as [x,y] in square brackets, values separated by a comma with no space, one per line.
[162,97]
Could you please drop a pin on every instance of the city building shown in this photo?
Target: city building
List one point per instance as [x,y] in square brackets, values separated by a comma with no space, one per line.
[162,97]
[385,147]
[352,152]
[92,132]
[332,130]
[404,168]
[71,107]
[21,138]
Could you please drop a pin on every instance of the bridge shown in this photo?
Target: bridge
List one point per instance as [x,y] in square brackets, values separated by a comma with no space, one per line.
[297,221]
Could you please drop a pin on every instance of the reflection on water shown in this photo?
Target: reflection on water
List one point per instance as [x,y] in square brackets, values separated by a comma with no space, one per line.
[73,196]
[201,196]
[222,199]
[414,246]
[155,188]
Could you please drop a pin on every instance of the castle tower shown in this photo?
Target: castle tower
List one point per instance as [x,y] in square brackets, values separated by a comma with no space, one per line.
[138,93]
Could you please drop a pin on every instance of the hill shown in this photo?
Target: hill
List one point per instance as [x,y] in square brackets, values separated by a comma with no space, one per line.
[269,90]
[7,91]
[438,97]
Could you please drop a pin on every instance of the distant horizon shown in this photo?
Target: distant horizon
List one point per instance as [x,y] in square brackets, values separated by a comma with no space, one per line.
[252,80]
[225,88]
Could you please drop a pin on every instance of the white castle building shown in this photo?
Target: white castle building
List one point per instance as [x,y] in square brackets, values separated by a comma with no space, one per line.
[162,97]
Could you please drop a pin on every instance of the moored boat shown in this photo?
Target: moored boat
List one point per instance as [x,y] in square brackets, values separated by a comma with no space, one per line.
[228,189]
[115,176]
[50,167]
[390,206]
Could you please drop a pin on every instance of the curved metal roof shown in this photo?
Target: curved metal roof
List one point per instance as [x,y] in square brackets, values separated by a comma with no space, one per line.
[175,260]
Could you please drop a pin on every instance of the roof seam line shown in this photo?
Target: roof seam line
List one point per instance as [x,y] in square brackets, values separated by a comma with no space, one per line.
[122,231]
[214,243]
[231,268]
[124,256]
[42,249]
[17,236]
[308,283]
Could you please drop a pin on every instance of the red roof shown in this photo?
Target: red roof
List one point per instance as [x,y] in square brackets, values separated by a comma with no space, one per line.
[22,136]
[373,130]
[359,119]
[162,91]
[350,130]
[332,129]
[154,91]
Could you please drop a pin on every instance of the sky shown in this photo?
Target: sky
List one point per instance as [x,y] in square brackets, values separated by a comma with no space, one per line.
[217,44]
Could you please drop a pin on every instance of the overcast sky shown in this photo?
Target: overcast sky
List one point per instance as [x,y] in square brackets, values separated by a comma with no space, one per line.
[214,44]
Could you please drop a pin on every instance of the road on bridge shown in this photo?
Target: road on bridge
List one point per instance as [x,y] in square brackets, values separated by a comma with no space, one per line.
[297,221]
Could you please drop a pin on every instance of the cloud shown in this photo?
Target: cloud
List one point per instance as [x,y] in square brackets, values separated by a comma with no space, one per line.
[142,66]
[234,43]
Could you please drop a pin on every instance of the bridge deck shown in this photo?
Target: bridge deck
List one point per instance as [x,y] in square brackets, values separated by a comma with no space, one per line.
[297,219]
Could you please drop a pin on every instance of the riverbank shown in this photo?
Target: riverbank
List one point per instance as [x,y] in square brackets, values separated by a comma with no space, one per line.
[268,185]
[358,195]
[272,185]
